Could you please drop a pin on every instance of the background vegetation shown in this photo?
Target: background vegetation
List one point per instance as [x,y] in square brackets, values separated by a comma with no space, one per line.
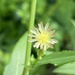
[14,21]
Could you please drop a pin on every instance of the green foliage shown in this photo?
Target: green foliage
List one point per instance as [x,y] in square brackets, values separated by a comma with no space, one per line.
[16,65]
[66,69]
[57,59]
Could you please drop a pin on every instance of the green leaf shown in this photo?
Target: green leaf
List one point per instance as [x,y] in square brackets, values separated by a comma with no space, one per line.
[57,59]
[66,69]
[16,65]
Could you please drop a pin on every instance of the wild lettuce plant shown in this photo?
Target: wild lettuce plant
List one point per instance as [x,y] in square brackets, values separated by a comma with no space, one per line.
[24,63]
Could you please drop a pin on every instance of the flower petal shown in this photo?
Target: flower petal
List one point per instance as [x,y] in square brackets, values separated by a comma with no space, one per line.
[50,45]
[44,47]
[32,40]
[31,35]
[53,35]
[52,32]
[37,44]
[40,26]
[34,32]
[53,41]
[49,29]
[47,26]
[41,46]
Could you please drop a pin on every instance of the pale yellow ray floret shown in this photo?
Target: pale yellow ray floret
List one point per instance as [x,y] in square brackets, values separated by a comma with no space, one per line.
[43,36]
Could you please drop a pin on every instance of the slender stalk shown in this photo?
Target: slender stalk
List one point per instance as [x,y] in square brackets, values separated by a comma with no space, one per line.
[31,24]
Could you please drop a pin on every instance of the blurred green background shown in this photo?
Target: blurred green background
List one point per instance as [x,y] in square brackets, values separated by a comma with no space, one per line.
[14,21]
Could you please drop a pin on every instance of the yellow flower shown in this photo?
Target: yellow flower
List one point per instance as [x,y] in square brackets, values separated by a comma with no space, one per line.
[43,36]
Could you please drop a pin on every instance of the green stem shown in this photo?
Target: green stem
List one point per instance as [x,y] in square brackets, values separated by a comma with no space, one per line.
[28,51]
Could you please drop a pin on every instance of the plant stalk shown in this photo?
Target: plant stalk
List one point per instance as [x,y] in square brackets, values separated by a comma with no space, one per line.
[31,24]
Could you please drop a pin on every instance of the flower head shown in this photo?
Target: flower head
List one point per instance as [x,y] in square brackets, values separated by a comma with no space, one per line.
[43,36]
